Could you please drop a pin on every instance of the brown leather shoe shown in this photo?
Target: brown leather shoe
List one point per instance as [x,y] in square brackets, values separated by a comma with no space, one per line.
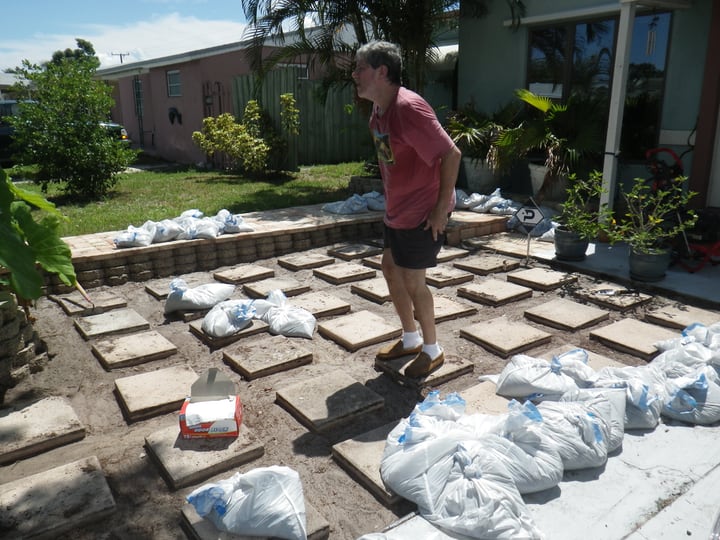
[395,350]
[422,365]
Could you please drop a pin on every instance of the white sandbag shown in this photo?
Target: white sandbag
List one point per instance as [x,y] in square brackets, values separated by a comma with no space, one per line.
[166,230]
[228,318]
[267,501]
[356,204]
[695,398]
[614,414]
[525,377]
[574,364]
[184,298]
[232,223]
[134,237]
[375,201]
[287,320]
[645,392]
[580,436]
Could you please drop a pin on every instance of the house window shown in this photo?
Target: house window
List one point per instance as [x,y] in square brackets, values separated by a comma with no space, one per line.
[576,59]
[174,87]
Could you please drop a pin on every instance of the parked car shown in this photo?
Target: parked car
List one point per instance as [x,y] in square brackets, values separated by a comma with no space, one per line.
[118,131]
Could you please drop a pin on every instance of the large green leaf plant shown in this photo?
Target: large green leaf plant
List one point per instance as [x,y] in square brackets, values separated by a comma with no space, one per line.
[29,247]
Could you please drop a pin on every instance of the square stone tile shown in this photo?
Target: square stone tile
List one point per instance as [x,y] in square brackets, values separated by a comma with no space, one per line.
[261,289]
[256,326]
[452,368]
[344,272]
[566,314]
[160,288]
[487,264]
[373,262]
[482,399]
[680,316]
[446,276]
[131,350]
[448,253]
[156,392]
[184,462]
[361,457]
[505,337]
[541,279]
[494,292]
[244,273]
[375,290]
[317,527]
[75,304]
[350,252]
[633,337]
[304,261]
[357,330]
[33,428]
[447,309]
[321,304]
[613,296]
[595,360]
[117,321]
[267,356]
[328,401]
[58,501]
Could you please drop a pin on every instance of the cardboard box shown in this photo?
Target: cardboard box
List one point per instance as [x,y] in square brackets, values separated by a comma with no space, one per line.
[213,408]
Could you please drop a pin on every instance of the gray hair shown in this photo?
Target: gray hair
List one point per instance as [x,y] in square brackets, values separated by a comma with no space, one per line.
[383,53]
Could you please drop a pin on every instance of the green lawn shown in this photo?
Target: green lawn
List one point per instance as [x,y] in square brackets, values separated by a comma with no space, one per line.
[142,196]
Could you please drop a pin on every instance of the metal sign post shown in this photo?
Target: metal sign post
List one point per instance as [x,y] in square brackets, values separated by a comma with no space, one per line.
[529,216]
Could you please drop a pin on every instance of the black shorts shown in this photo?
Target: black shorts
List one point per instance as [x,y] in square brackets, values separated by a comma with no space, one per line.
[413,248]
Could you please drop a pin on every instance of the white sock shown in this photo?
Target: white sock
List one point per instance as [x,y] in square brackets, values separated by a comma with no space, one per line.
[433,351]
[411,340]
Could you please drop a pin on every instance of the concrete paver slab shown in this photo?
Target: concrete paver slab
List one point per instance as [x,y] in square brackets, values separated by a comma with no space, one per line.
[117,321]
[613,296]
[487,264]
[373,262]
[680,316]
[304,261]
[267,356]
[447,276]
[416,527]
[448,253]
[375,290]
[349,252]
[131,350]
[633,337]
[153,393]
[494,292]
[447,309]
[452,368]
[34,428]
[566,314]
[595,360]
[184,462]
[75,304]
[256,326]
[289,286]
[357,330]
[244,273]
[482,399]
[344,272]
[197,528]
[504,337]
[541,279]
[54,502]
[361,457]
[328,401]
[321,304]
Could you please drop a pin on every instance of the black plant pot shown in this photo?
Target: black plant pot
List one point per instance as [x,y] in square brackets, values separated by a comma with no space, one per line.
[649,266]
[569,245]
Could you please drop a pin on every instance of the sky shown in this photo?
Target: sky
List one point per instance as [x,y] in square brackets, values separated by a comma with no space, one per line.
[136,29]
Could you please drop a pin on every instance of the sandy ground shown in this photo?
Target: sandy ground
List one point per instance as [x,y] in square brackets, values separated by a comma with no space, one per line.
[146,507]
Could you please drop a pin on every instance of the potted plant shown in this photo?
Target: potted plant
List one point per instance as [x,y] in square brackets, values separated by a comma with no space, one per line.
[475,133]
[561,136]
[652,220]
[581,218]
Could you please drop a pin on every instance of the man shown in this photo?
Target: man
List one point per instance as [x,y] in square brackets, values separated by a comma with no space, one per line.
[419,165]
